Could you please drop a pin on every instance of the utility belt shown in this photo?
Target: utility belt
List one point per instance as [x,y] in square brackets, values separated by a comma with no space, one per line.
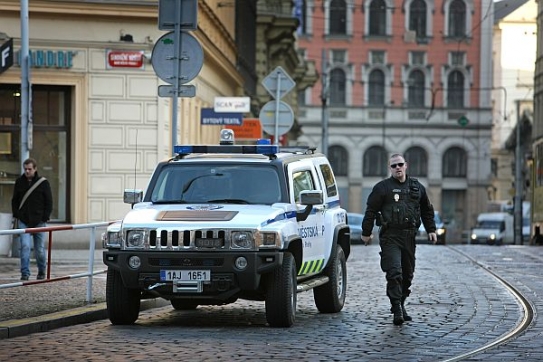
[400,226]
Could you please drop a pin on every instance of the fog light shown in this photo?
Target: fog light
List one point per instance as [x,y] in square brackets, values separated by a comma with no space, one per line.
[134,262]
[241,263]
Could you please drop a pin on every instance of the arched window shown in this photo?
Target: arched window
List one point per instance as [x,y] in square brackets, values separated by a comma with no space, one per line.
[339,159]
[375,162]
[455,90]
[417,18]
[416,89]
[455,162]
[457,19]
[378,17]
[338,17]
[417,162]
[337,87]
[376,88]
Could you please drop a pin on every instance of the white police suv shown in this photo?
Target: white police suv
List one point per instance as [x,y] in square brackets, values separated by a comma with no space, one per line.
[222,222]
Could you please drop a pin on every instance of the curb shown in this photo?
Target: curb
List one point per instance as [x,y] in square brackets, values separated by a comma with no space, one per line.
[22,327]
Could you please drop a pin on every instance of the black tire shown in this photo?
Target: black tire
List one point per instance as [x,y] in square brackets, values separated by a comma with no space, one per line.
[123,304]
[281,294]
[330,297]
[180,304]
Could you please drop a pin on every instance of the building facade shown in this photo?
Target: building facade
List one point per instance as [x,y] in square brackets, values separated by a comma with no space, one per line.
[98,123]
[413,77]
[537,130]
[514,33]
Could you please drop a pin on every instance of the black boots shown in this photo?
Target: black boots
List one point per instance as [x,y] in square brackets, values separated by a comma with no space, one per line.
[397,311]
[406,317]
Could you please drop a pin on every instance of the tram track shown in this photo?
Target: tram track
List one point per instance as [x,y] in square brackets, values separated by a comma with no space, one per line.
[526,306]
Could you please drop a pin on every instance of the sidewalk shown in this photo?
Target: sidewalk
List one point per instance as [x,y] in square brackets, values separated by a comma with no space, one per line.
[40,307]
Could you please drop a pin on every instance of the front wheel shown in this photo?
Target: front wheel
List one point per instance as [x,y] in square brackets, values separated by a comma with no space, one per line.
[330,297]
[281,294]
[123,304]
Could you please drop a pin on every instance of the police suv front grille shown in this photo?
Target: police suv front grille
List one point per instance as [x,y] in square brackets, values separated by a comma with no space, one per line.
[212,239]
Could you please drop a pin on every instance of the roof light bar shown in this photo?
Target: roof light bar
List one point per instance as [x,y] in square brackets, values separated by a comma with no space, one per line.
[258,149]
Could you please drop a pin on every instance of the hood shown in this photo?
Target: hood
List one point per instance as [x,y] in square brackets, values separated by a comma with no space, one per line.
[207,215]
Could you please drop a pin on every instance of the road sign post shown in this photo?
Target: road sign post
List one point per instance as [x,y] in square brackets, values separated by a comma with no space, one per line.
[278,83]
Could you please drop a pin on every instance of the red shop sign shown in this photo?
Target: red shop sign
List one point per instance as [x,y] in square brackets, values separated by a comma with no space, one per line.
[125,59]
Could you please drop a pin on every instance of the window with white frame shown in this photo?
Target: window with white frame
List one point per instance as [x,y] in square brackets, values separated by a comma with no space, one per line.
[417,161]
[337,17]
[339,160]
[376,88]
[417,18]
[416,88]
[337,88]
[455,89]
[375,162]
[457,19]
[455,162]
[378,18]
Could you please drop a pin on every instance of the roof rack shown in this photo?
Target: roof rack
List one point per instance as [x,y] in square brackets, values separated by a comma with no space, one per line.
[306,150]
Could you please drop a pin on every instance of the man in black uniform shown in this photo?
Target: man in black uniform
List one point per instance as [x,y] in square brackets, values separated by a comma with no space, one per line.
[398,204]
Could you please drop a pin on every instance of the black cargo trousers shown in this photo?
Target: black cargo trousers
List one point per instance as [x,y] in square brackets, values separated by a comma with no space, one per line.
[398,262]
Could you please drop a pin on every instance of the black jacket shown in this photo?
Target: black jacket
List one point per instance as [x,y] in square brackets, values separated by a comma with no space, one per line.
[39,204]
[383,197]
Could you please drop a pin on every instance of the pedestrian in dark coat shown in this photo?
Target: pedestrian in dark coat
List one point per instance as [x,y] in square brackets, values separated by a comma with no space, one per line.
[32,209]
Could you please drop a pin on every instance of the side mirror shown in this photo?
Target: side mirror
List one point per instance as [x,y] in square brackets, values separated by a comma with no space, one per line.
[132,196]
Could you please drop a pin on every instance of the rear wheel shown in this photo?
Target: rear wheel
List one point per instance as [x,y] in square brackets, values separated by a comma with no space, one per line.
[330,297]
[123,304]
[180,304]
[281,294]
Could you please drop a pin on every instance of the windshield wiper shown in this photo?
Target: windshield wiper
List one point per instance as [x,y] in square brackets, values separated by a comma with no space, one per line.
[230,201]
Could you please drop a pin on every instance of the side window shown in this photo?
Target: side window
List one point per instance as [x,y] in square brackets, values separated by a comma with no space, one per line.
[329,180]
[302,180]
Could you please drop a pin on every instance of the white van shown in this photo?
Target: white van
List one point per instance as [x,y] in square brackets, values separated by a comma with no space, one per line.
[493,228]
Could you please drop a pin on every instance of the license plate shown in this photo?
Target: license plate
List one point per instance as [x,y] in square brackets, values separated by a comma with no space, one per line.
[185,275]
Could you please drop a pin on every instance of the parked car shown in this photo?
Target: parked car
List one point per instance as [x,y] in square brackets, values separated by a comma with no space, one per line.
[441,231]
[355,224]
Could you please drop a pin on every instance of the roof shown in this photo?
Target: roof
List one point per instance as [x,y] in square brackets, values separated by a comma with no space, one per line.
[505,7]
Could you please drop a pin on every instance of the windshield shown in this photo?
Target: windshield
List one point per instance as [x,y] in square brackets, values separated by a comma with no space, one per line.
[489,224]
[217,183]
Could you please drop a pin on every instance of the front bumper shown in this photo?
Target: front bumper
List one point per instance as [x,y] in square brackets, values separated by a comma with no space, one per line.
[226,282]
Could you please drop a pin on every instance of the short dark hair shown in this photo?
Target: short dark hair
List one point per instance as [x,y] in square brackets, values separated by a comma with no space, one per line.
[31,161]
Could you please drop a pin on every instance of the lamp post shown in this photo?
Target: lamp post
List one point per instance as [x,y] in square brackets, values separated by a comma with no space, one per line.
[518,180]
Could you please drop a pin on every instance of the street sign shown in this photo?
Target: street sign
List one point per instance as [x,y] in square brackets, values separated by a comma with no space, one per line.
[186,91]
[251,129]
[6,55]
[463,121]
[187,17]
[191,57]
[285,117]
[210,117]
[232,104]
[278,81]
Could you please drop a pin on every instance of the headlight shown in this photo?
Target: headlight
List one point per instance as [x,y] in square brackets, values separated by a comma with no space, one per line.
[242,240]
[136,238]
[269,240]
[111,239]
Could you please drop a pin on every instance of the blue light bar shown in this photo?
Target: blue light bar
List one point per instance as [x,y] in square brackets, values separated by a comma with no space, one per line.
[259,149]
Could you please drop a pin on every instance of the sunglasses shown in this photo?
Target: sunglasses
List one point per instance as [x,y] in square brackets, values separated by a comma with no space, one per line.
[397,164]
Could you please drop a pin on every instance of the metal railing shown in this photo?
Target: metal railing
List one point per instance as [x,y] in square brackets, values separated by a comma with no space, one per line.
[92,246]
